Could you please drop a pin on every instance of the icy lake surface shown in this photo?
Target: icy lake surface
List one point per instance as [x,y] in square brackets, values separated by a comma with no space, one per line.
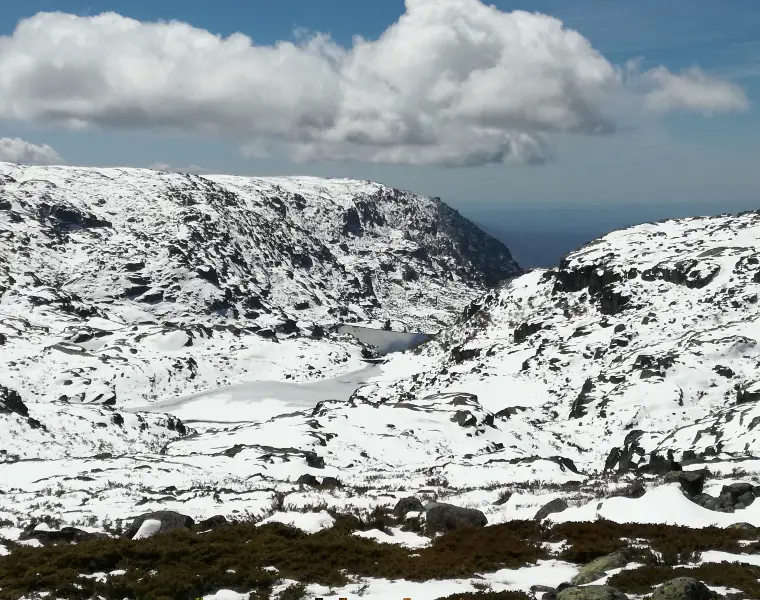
[257,401]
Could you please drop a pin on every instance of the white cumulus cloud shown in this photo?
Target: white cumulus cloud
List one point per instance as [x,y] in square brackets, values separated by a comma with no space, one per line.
[452,82]
[692,90]
[17,150]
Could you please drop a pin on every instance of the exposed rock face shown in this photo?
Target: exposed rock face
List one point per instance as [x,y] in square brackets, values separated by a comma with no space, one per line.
[441,517]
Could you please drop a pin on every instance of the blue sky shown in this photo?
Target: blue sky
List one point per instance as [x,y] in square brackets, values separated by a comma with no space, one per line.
[674,163]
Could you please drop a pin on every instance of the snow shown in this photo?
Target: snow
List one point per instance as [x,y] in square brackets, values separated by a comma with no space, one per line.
[664,504]
[226,595]
[716,556]
[550,573]
[148,528]
[396,536]
[307,522]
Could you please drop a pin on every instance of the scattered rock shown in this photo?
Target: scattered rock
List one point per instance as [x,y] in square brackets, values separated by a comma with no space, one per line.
[684,588]
[441,517]
[555,506]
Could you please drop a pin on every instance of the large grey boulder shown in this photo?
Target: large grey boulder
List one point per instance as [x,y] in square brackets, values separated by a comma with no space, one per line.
[598,568]
[406,505]
[441,517]
[167,520]
[684,588]
[555,506]
[591,592]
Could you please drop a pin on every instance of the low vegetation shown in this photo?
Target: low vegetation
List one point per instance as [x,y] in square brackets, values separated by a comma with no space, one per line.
[183,565]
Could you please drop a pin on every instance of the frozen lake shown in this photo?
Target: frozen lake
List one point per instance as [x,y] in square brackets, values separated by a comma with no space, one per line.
[385,341]
[260,400]
[257,401]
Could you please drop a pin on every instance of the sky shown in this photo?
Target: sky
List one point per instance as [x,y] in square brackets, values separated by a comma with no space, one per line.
[542,115]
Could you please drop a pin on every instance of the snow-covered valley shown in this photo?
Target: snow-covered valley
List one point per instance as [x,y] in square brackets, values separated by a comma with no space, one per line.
[292,350]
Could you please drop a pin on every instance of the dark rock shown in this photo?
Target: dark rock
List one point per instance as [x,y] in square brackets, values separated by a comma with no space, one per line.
[525,330]
[635,490]
[745,499]
[460,355]
[66,535]
[212,523]
[723,371]
[584,398]
[743,396]
[684,588]
[314,461]
[134,266]
[737,489]
[11,402]
[330,482]
[169,520]
[307,479]
[288,327]
[692,482]
[660,465]
[555,506]
[441,517]
[406,505]
[623,458]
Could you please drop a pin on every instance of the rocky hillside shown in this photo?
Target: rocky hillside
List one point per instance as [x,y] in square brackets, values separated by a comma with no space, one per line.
[639,350]
[121,286]
[590,431]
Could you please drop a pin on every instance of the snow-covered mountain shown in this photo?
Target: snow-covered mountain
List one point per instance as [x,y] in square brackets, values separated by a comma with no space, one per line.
[123,286]
[644,341]
[637,352]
